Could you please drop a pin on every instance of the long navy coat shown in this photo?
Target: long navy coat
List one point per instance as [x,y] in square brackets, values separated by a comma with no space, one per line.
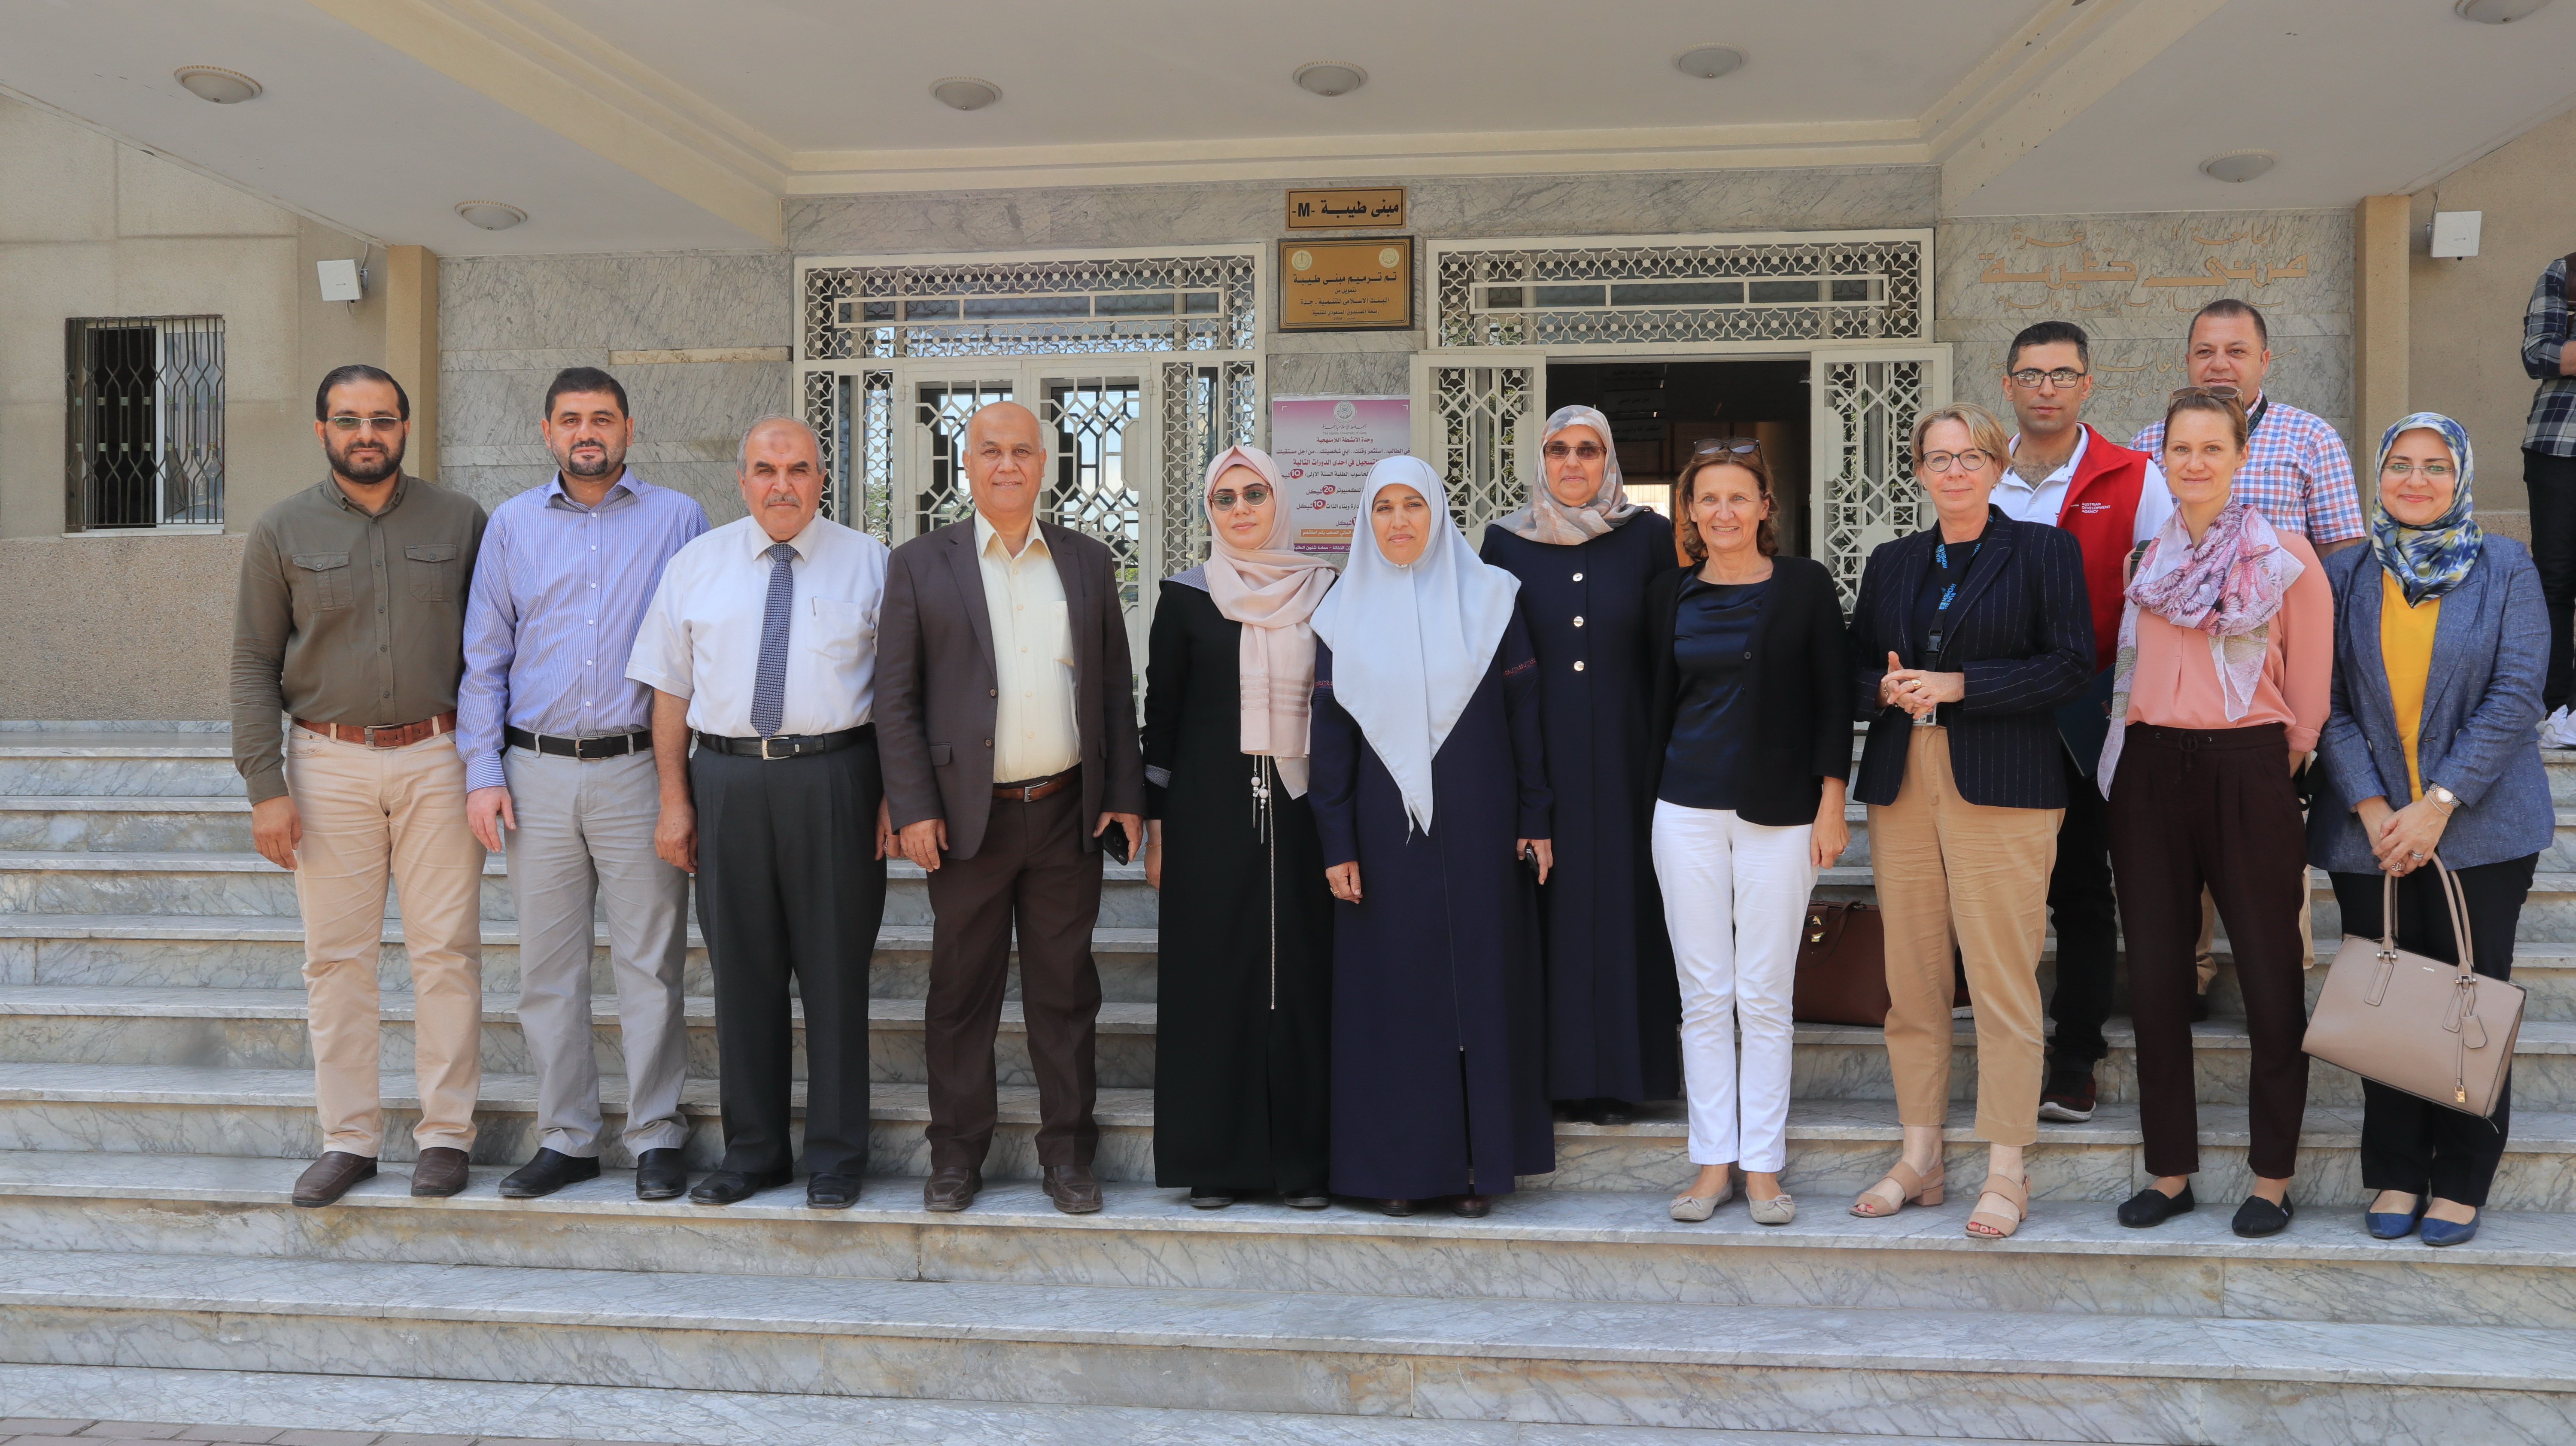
[1439,1072]
[1614,1008]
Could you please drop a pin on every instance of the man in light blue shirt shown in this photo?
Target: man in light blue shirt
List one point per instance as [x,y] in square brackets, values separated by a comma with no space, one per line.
[558,757]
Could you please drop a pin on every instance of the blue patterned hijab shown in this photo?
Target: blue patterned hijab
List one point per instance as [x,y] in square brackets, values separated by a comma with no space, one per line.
[2429,561]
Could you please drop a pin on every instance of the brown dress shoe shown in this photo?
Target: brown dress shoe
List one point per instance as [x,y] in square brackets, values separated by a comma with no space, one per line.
[441,1171]
[951,1188]
[327,1179]
[1073,1188]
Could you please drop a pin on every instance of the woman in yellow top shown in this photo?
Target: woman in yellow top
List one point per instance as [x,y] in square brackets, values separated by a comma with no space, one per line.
[2440,646]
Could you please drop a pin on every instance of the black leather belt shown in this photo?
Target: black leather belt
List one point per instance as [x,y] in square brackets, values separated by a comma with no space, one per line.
[614,745]
[787,745]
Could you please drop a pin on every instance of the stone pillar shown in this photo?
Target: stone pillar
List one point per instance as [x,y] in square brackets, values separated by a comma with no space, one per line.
[2380,257]
[411,346]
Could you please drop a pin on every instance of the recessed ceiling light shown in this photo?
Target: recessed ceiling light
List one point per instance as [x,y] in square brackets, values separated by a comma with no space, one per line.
[965,92]
[491,215]
[2238,165]
[1708,62]
[2496,12]
[1330,77]
[223,87]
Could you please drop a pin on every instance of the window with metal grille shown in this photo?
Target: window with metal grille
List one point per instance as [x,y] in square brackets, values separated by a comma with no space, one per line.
[145,440]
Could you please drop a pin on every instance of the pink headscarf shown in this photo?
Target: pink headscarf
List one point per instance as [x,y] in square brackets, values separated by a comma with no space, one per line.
[1272,590]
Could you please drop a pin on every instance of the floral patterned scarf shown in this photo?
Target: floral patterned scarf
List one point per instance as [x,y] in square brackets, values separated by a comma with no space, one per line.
[2429,561]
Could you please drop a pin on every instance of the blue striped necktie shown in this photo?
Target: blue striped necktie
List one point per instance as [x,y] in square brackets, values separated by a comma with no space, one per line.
[769,689]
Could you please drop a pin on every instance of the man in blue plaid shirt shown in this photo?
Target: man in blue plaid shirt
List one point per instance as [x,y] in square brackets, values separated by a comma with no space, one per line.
[2549,475]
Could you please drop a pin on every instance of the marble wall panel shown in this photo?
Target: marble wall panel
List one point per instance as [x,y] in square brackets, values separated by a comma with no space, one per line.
[668,300]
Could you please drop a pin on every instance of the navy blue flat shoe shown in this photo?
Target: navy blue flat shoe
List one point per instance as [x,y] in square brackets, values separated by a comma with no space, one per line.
[2389,1225]
[2451,1232]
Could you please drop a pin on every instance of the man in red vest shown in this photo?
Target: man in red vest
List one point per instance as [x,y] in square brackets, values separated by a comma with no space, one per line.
[2067,475]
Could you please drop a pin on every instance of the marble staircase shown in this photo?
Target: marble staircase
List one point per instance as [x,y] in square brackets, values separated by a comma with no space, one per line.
[155,1089]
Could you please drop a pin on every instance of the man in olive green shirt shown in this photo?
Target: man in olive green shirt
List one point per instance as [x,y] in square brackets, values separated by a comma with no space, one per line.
[350,623]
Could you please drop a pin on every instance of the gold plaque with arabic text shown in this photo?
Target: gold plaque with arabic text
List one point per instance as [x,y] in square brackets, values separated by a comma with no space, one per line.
[1345,208]
[1356,285]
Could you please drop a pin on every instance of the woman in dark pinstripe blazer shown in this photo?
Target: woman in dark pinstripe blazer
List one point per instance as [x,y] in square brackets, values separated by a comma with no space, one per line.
[1967,637]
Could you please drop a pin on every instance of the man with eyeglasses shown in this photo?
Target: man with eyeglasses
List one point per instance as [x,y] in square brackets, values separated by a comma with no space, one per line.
[2065,474]
[350,621]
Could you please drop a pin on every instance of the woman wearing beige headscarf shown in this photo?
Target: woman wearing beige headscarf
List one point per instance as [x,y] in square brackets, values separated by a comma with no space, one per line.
[1242,1067]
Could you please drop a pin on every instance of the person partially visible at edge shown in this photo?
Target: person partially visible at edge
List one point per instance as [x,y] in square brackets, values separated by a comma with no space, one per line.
[2064,474]
[2549,477]
[2225,650]
[350,622]
[2441,641]
[1243,1083]
[1584,555]
[1749,740]
[558,742]
[1431,798]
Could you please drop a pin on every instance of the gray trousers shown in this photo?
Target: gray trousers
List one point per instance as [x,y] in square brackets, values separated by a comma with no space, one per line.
[586,830]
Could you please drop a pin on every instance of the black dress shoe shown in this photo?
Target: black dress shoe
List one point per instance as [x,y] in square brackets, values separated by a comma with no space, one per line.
[1397,1208]
[1472,1207]
[327,1179]
[2259,1217]
[951,1189]
[1310,1200]
[550,1171]
[1211,1199]
[440,1172]
[2152,1206]
[729,1187]
[832,1192]
[659,1175]
[1612,1112]
[1073,1188]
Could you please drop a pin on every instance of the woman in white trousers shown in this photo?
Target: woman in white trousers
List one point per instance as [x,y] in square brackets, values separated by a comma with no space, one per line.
[1750,722]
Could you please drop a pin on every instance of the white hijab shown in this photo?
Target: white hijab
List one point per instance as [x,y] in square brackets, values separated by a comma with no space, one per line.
[1410,644]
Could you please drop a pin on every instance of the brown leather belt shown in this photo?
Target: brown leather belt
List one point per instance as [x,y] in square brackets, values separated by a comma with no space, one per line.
[391,735]
[1035,789]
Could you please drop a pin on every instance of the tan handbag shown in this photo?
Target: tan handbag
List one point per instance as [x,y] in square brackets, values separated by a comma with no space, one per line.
[2441,1032]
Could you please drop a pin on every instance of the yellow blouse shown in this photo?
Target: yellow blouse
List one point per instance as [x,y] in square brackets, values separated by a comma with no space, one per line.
[2406,654]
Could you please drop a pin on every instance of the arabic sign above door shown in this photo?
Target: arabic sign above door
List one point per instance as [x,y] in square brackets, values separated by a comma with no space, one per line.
[1344,208]
[1355,285]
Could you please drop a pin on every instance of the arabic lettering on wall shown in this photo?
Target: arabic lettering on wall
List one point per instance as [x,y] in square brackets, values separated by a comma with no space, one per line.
[2237,257]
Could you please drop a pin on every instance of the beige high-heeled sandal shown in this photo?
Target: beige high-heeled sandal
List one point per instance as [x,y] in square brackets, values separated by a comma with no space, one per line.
[1692,1209]
[1914,1187]
[1998,1226]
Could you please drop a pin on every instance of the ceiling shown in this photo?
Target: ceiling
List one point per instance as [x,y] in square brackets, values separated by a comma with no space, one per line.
[635,125]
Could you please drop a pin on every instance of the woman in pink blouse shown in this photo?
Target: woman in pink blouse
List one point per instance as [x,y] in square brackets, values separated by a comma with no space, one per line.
[2222,683]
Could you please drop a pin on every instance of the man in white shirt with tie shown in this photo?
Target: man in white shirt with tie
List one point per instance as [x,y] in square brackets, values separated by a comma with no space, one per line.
[761,647]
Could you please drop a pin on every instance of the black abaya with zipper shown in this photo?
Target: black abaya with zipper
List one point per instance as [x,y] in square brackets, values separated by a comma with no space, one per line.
[1242,1043]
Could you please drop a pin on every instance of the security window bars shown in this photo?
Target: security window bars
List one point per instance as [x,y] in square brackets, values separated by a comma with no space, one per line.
[1681,294]
[1032,308]
[144,444]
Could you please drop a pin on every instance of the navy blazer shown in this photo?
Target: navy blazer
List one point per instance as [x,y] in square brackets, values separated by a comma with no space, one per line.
[2024,636]
[2481,702]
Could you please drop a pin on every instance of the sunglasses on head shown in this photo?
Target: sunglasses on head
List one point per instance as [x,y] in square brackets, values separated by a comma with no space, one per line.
[2224,394]
[1720,446]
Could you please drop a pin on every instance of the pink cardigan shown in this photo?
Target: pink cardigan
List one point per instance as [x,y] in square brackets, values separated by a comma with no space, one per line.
[2176,685]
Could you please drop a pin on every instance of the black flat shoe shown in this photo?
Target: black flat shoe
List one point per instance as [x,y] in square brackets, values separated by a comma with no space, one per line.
[831,1192]
[1472,1207]
[1314,1201]
[1612,1112]
[659,1175]
[1398,1208]
[548,1172]
[1211,1199]
[2259,1217]
[2151,1207]
[731,1187]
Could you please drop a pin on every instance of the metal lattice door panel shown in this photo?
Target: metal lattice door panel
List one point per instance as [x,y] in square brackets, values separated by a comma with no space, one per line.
[1089,423]
[1864,491]
[1207,406]
[1476,421]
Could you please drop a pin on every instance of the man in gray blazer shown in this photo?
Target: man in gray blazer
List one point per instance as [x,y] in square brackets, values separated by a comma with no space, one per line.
[1006,724]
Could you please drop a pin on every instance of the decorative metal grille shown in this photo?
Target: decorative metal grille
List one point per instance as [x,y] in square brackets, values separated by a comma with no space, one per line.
[1206,409]
[1477,414]
[853,412]
[145,422]
[1870,495]
[827,412]
[1092,491]
[1033,308]
[1658,295]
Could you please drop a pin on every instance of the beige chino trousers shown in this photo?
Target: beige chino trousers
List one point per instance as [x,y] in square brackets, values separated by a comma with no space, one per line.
[370,814]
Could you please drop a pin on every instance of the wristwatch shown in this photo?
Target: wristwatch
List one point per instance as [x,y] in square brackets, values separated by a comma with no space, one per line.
[2446,798]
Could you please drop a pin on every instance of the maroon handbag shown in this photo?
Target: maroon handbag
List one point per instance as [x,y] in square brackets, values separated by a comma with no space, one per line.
[1842,967]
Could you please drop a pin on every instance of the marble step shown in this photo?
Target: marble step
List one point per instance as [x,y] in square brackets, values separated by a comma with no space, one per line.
[90,762]
[1539,1244]
[265,1029]
[2014,1374]
[266,951]
[1836,1147]
[457,1410]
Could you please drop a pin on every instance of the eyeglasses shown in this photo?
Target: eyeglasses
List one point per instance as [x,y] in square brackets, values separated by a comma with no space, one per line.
[2433,471]
[1223,500]
[1581,451]
[2224,394]
[350,424]
[1971,460]
[1722,446]
[2029,378]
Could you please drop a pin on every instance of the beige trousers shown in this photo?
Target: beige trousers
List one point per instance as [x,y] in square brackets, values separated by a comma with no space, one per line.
[370,814]
[1949,868]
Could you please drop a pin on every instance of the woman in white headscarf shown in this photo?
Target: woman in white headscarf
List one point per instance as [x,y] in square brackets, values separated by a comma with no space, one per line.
[1584,555]
[1432,800]
[1242,1044]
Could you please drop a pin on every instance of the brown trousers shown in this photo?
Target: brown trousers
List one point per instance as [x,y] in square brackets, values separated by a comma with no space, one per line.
[1031,870]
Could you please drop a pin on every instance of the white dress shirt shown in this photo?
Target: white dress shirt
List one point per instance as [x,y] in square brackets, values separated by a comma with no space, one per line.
[2024,502]
[701,636]
[1034,732]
